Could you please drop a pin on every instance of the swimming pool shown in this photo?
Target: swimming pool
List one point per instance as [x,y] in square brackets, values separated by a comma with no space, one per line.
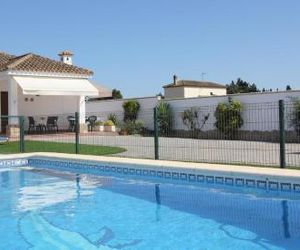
[47,204]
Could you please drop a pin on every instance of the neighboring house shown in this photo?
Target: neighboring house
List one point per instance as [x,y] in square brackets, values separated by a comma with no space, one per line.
[189,89]
[104,93]
[32,85]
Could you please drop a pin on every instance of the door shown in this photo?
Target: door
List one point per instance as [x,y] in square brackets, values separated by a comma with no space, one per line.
[4,111]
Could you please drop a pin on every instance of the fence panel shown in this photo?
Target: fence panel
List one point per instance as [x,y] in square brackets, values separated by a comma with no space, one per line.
[50,133]
[292,135]
[11,135]
[247,135]
[195,134]
[129,138]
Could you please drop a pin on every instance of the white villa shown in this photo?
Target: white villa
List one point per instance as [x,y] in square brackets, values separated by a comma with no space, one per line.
[191,89]
[32,85]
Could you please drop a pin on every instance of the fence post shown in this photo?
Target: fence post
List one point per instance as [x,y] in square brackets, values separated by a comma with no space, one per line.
[156,134]
[22,142]
[282,134]
[76,132]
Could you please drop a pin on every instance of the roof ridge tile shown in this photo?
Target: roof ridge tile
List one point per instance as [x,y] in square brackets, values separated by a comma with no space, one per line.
[17,60]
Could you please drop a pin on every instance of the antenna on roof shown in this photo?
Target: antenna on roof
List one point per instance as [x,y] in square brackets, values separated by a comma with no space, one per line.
[202,75]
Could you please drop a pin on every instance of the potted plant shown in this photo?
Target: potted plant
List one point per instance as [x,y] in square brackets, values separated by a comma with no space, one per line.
[99,126]
[109,126]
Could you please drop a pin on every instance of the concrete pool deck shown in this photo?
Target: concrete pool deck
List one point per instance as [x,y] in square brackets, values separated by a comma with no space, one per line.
[220,169]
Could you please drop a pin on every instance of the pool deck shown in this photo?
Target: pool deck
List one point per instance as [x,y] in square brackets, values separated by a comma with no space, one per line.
[228,170]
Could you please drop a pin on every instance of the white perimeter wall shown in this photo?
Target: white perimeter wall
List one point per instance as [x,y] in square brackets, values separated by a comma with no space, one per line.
[260,110]
[103,108]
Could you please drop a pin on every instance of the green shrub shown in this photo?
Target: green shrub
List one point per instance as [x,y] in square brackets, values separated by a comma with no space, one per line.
[295,116]
[132,127]
[164,118]
[190,118]
[131,109]
[229,118]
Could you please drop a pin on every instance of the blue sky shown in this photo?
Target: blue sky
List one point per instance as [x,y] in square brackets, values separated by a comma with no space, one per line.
[137,45]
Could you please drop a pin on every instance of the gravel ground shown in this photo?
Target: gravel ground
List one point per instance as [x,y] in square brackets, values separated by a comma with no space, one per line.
[195,150]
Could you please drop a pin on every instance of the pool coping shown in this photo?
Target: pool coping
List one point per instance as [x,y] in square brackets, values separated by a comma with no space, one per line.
[228,170]
[266,179]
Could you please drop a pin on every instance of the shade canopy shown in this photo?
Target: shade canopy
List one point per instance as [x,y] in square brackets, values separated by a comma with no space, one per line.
[56,86]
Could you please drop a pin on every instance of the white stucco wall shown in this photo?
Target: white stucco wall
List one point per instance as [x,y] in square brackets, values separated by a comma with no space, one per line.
[43,106]
[195,92]
[103,108]
[3,84]
[190,92]
[260,110]
[4,88]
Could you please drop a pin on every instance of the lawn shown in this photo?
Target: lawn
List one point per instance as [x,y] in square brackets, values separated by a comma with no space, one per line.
[43,146]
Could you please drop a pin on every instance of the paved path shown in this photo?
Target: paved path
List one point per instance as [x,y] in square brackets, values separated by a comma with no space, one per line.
[213,151]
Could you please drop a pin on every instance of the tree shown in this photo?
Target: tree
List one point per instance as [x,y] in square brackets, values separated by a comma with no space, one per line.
[241,86]
[229,118]
[131,125]
[288,87]
[190,118]
[131,109]
[116,94]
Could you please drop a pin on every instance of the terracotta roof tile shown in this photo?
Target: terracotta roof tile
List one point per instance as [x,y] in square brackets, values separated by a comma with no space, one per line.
[4,60]
[65,53]
[35,63]
[189,83]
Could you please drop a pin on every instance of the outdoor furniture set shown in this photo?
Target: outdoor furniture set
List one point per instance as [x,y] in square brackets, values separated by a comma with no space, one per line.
[49,124]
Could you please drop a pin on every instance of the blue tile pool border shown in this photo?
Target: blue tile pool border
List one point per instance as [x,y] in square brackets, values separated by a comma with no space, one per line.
[14,163]
[177,175]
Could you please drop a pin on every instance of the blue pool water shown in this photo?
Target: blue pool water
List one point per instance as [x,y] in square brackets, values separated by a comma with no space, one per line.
[50,209]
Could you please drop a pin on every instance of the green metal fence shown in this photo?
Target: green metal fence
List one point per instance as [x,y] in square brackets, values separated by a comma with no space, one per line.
[265,134]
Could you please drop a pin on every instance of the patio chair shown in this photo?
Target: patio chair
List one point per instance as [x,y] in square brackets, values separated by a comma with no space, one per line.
[52,123]
[31,126]
[91,122]
[71,120]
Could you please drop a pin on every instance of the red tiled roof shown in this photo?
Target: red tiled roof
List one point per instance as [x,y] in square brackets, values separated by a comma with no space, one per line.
[35,63]
[199,84]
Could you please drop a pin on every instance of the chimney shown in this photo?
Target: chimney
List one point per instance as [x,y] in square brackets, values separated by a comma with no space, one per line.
[66,57]
[175,79]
